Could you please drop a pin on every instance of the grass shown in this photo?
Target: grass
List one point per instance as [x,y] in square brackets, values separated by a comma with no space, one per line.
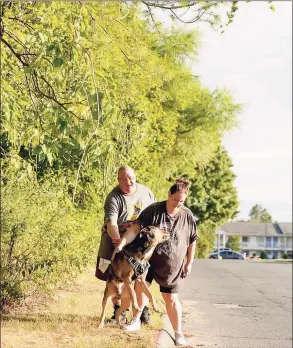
[70,320]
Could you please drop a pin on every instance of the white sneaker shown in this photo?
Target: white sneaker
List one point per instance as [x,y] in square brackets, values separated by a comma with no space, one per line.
[134,325]
[180,339]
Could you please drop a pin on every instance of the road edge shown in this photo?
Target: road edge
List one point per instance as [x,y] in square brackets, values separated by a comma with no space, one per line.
[166,335]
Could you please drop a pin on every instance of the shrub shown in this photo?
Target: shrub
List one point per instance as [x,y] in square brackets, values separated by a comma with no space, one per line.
[263,255]
[285,256]
[45,239]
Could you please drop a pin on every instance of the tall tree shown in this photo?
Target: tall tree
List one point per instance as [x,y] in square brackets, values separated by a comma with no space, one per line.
[102,91]
[233,242]
[218,14]
[87,87]
[213,197]
[259,214]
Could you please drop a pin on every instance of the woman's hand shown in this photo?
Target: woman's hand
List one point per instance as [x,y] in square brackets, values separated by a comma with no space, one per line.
[187,270]
[116,251]
[115,242]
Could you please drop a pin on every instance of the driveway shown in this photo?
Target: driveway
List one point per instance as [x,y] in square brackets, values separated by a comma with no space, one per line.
[238,304]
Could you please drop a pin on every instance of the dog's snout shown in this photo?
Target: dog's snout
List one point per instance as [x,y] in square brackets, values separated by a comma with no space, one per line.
[165,235]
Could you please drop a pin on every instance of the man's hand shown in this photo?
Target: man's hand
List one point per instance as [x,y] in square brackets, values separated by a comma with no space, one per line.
[187,269]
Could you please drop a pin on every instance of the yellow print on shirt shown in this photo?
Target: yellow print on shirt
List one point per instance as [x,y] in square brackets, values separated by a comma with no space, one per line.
[134,210]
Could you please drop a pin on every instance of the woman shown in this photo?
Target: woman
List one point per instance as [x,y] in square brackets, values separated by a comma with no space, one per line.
[172,260]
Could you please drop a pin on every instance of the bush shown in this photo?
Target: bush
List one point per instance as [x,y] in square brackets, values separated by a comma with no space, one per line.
[263,255]
[46,241]
[285,256]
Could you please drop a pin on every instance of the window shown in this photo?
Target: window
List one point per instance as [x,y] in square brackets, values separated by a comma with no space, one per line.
[269,242]
[275,254]
[275,242]
[245,239]
[269,254]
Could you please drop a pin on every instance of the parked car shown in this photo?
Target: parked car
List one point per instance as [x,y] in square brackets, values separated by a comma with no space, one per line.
[221,249]
[228,254]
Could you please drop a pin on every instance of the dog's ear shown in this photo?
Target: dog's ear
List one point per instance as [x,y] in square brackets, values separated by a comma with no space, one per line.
[142,235]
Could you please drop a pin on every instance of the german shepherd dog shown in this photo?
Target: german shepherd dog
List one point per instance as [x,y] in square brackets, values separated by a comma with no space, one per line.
[128,265]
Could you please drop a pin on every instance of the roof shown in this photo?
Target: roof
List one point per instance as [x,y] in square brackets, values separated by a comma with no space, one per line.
[257,229]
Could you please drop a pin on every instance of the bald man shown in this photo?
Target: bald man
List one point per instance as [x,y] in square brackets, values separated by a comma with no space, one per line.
[123,206]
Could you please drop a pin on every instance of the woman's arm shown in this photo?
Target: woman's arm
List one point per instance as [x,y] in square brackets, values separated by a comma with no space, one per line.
[191,252]
[190,258]
[128,237]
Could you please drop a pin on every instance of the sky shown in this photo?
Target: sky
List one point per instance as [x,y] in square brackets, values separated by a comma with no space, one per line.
[253,60]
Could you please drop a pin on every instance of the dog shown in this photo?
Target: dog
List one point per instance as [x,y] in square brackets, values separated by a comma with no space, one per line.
[129,265]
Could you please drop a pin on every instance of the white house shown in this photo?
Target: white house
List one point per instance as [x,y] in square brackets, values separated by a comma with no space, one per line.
[273,238]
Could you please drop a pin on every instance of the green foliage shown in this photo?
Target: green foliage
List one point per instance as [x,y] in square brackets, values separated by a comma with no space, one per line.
[259,214]
[45,240]
[205,242]
[213,197]
[87,87]
[285,256]
[210,12]
[218,14]
[95,95]
[233,243]
[263,255]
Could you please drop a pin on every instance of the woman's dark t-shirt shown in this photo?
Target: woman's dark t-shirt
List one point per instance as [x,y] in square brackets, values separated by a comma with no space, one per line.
[168,259]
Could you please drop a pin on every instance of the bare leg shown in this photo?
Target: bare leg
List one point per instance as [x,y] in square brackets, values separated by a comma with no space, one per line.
[174,310]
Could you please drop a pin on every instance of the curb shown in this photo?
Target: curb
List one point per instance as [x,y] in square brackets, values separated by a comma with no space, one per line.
[166,334]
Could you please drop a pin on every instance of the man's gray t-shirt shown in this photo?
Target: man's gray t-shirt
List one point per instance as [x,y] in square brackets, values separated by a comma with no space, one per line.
[169,257]
[125,209]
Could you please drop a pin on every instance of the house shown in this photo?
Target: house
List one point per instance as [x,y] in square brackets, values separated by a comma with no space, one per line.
[273,238]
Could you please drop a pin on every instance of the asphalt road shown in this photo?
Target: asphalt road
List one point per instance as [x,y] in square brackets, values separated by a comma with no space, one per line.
[237,304]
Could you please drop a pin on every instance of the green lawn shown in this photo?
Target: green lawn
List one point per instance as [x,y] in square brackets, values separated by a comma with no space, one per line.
[71,319]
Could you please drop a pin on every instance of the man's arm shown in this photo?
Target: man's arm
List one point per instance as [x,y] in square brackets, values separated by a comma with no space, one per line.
[113,230]
[190,258]
[128,237]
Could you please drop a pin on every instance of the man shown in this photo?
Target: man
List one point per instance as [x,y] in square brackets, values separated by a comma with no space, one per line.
[123,205]
[171,260]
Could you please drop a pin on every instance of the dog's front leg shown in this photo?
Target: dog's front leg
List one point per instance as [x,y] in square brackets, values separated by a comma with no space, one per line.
[149,295]
[125,302]
[129,286]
